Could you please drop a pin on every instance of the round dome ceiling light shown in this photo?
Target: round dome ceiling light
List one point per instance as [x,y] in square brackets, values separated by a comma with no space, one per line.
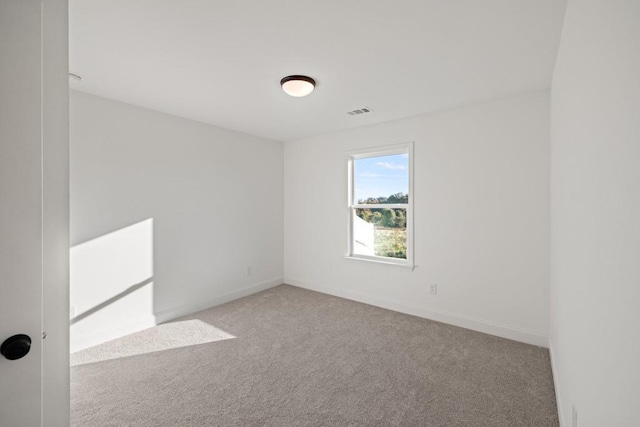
[298,86]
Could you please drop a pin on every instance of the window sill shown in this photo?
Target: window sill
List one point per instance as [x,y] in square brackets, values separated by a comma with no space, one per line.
[380,261]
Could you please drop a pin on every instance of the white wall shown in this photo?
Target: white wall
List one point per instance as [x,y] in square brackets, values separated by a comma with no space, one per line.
[481,218]
[167,214]
[595,214]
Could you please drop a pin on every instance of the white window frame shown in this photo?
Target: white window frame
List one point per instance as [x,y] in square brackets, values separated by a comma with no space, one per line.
[388,150]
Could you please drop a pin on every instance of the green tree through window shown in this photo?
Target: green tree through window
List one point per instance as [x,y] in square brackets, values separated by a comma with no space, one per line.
[380,203]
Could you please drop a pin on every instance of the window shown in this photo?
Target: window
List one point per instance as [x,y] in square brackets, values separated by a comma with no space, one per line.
[380,204]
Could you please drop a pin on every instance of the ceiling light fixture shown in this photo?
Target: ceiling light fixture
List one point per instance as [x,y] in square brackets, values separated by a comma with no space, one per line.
[298,85]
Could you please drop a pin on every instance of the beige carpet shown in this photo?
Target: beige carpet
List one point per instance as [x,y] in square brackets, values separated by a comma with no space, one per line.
[292,357]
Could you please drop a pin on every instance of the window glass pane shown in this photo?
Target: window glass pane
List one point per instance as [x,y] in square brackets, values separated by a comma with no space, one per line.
[380,232]
[381,179]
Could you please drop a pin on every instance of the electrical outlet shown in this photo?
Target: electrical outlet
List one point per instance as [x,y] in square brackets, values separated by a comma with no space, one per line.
[574,416]
[433,289]
[249,271]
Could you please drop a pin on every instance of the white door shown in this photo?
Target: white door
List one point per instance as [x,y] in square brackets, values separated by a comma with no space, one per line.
[24,130]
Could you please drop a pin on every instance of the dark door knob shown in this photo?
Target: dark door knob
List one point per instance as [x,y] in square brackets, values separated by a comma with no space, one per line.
[16,347]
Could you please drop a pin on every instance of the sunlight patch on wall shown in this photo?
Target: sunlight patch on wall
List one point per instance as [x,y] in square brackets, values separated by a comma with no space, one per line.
[111,291]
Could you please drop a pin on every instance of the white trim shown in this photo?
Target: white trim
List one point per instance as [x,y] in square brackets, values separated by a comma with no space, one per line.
[380,206]
[186,309]
[556,384]
[129,327]
[387,150]
[381,150]
[80,342]
[381,260]
[456,319]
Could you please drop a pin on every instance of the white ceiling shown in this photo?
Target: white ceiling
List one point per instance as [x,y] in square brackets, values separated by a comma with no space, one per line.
[221,62]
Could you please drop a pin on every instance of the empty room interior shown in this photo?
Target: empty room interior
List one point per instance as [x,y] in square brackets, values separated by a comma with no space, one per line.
[352,213]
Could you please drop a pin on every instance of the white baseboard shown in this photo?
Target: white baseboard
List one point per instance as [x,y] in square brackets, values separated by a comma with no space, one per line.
[138,324]
[556,384]
[186,309]
[463,321]
[102,335]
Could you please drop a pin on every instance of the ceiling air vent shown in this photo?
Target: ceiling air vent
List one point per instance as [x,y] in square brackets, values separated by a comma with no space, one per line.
[363,110]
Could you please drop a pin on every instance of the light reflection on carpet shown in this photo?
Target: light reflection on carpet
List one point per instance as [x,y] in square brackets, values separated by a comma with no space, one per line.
[161,337]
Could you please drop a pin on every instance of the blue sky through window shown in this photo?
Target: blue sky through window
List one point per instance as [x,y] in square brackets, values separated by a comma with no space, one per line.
[380,176]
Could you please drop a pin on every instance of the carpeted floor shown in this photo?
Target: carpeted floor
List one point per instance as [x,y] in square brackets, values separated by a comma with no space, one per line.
[292,357]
